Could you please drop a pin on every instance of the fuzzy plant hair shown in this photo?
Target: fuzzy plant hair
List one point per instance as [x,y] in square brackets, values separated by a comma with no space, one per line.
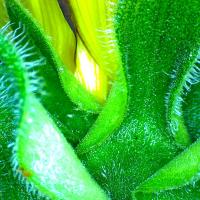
[181,83]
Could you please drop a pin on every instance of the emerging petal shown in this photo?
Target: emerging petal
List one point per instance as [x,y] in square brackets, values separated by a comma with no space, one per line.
[89,73]
[95,24]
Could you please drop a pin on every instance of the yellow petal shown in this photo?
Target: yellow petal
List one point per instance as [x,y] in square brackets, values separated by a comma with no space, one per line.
[89,73]
[50,17]
[95,24]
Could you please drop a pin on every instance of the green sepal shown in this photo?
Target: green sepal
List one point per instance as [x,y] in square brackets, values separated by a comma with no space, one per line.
[47,163]
[110,118]
[180,172]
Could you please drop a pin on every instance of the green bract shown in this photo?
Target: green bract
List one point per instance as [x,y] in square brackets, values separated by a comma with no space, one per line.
[57,142]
